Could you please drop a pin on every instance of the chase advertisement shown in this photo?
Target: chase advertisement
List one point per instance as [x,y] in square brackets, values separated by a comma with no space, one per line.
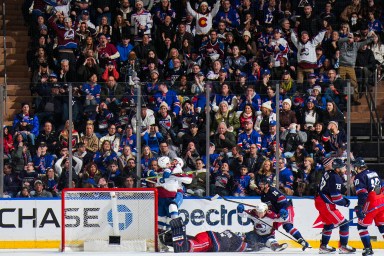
[37,223]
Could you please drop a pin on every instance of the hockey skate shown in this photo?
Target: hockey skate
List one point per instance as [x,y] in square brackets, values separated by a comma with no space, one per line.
[304,243]
[162,238]
[367,251]
[325,249]
[346,249]
[278,247]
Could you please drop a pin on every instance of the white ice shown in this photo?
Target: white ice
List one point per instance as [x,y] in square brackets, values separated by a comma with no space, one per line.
[288,251]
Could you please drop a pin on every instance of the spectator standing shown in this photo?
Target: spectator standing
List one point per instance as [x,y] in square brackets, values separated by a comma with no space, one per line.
[348,54]
[66,38]
[203,18]
[141,21]
[106,51]
[306,52]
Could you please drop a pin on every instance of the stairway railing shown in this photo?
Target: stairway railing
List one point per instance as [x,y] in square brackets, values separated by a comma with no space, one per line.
[375,120]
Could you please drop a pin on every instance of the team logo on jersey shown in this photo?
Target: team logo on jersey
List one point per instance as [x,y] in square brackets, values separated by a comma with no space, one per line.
[69,34]
[262,228]
[304,51]
[125,214]
[203,22]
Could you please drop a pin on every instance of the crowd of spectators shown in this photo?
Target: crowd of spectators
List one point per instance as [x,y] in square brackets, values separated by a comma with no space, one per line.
[240,50]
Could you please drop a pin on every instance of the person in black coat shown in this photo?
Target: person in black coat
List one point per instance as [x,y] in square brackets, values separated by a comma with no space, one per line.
[366,64]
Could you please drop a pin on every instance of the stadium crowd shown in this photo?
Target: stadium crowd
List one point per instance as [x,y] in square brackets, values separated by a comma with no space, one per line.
[240,50]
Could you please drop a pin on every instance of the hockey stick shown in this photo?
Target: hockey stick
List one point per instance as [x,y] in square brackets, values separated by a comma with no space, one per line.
[344,223]
[251,217]
[203,197]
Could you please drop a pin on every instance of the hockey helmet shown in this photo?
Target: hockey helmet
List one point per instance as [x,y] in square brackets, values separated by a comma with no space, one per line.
[163,162]
[338,163]
[179,161]
[359,162]
[261,207]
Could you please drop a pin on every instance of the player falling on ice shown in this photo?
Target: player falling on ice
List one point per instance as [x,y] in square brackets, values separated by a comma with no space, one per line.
[265,222]
[370,204]
[170,191]
[227,241]
[328,196]
[278,203]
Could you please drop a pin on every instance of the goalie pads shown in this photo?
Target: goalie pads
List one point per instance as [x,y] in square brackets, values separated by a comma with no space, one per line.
[179,236]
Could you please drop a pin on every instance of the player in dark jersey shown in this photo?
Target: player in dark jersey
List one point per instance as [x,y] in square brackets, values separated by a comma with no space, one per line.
[207,241]
[370,202]
[278,203]
[328,196]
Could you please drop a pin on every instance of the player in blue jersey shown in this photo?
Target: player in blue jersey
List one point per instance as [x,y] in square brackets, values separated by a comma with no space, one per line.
[370,205]
[328,196]
[278,203]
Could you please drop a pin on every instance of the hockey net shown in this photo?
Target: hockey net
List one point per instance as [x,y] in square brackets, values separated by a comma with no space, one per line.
[109,220]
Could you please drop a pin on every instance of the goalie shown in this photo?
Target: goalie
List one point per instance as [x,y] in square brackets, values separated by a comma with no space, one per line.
[170,190]
[207,241]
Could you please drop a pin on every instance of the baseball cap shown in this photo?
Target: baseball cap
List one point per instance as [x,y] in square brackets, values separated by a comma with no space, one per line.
[85,12]
[312,75]
[155,71]
[42,144]
[277,30]
[53,75]
[38,182]
[286,72]
[200,74]
[192,125]
[43,27]
[110,63]
[272,123]
[128,126]
[266,72]
[223,70]
[243,74]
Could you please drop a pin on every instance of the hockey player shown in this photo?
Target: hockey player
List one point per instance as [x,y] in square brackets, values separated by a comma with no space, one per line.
[207,241]
[278,203]
[370,202]
[264,222]
[328,196]
[170,191]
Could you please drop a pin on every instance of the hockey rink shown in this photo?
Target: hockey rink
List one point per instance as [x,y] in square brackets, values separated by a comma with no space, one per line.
[288,251]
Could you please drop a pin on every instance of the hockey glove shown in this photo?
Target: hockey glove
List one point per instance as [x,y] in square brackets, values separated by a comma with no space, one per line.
[166,175]
[240,208]
[347,202]
[283,214]
[359,212]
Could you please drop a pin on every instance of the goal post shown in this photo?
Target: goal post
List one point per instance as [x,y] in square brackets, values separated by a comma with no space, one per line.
[111,219]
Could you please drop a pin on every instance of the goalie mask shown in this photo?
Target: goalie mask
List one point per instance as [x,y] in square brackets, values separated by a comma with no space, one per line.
[164,162]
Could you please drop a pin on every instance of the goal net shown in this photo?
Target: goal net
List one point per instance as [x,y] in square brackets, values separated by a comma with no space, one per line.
[109,219]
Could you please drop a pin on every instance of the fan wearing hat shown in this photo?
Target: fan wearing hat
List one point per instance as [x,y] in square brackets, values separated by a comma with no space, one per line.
[316,93]
[39,190]
[310,114]
[277,48]
[227,116]
[203,17]
[287,85]
[248,46]
[334,136]
[264,117]
[287,115]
